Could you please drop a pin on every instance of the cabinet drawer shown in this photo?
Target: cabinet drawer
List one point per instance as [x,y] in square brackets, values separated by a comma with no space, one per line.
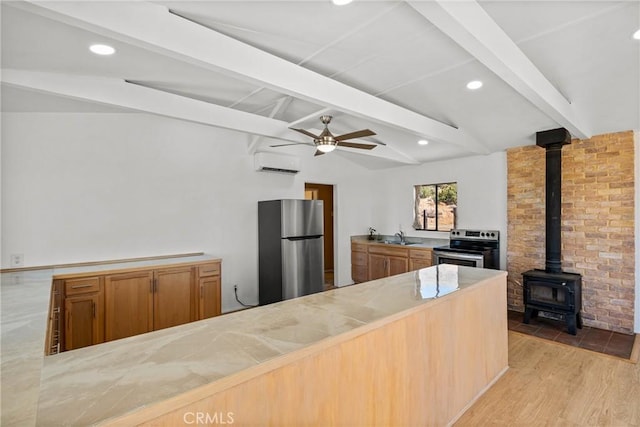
[420,254]
[209,270]
[417,264]
[81,286]
[383,249]
[359,247]
[358,258]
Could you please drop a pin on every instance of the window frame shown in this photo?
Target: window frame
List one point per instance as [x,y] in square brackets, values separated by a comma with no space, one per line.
[416,221]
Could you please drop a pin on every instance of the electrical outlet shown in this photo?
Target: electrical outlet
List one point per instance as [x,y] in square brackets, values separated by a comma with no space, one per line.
[17,260]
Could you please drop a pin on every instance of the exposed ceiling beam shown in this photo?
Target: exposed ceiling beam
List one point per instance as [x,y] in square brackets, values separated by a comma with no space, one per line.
[116,92]
[469,25]
[153,27]
[281,105]
[119,93]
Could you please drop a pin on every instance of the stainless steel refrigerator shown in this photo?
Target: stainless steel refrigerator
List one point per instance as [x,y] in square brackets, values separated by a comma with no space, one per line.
[291,249]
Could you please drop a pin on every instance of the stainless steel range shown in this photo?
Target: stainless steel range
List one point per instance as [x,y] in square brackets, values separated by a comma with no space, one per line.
[473,248]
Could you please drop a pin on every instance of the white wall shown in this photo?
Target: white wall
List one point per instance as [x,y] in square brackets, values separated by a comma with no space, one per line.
[482,195]
[85,187]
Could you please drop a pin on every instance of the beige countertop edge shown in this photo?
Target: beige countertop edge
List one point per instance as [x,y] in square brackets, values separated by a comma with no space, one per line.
[155,263]
[156,409]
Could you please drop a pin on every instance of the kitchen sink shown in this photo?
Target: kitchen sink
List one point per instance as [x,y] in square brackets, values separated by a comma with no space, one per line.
[391,242]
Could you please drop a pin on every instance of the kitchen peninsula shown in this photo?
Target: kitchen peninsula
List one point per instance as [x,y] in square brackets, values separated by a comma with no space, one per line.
[416,348]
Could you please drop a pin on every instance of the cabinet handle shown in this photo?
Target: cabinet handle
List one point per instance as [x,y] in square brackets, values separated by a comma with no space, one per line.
[201,291]
[93,307]
[80,286]
[151,286]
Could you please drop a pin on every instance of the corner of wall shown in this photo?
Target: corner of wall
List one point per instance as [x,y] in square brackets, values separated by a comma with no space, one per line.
[636,139]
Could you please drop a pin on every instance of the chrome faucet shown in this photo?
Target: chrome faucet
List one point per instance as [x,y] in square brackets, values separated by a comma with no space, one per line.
[401,236]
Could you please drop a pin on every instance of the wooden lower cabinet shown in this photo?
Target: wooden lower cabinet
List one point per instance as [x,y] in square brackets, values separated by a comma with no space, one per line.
[173,297]
[148,300]
[359,270]
[384,266]
[370,261]
[209,297]
[128,304]
[84,322]
[83,308]
[419,258]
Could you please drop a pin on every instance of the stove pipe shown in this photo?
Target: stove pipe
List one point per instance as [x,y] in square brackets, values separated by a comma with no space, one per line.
[553,140]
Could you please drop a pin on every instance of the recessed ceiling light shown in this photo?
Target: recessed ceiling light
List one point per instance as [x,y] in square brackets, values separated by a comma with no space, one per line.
[475,84]
[636,35]
[341,2]
[423,142]
[102,49]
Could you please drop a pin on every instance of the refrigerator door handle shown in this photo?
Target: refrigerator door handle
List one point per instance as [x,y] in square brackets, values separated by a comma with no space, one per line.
[294,238]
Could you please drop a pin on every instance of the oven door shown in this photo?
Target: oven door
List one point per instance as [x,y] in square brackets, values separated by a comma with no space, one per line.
[458,258]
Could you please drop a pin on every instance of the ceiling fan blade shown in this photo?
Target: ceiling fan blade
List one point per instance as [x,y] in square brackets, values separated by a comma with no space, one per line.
[318,153]
[356,134]
[356,145]
[293,143]
[306,132]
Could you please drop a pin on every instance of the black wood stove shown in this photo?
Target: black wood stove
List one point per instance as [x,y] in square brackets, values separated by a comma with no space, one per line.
[552,290]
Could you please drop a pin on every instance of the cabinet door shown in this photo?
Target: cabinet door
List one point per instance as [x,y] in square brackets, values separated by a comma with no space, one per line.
[209,297]
[377,266]
[358,266]
[359,273]
[174,298]
[83,321]
[128,304]
[397,265]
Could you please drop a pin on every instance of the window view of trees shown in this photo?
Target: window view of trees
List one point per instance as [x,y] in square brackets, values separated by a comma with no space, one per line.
[435,206]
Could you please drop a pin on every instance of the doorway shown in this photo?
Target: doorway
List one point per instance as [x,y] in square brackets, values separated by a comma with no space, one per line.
[324,192]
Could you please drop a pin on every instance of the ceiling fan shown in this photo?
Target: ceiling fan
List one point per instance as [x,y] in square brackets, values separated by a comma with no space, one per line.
[327,142]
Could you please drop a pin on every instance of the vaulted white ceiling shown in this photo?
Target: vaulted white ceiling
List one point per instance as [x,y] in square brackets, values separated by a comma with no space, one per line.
[397,68]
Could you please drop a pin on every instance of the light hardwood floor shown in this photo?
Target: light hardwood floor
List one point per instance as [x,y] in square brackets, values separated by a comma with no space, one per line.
[552,384]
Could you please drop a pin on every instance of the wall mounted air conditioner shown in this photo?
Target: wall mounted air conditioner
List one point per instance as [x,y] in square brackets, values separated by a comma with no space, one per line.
[270,162]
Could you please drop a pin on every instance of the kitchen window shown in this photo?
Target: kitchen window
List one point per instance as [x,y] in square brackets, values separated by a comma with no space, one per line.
[435,207]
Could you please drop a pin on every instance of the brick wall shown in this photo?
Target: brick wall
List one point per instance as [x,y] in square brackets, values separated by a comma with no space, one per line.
[597,224]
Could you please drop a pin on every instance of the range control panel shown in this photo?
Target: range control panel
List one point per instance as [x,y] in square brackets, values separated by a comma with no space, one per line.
[459,234]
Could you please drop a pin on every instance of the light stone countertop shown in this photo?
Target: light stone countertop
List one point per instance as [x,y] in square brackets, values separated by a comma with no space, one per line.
[24,309]
[93,384]
[414,242]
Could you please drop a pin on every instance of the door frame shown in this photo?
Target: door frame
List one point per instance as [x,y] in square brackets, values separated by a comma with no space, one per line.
[326,193]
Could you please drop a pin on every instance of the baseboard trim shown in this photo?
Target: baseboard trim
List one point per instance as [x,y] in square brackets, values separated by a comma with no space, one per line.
[635,350]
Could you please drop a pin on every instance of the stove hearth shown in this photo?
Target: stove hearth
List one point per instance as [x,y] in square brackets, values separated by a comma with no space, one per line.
[551,289]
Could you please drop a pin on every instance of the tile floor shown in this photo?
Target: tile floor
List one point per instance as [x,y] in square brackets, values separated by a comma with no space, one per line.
[599,340]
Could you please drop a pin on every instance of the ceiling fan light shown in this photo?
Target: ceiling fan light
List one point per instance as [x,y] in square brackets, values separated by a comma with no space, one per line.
[341,2]
[326,148]
[636,35]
